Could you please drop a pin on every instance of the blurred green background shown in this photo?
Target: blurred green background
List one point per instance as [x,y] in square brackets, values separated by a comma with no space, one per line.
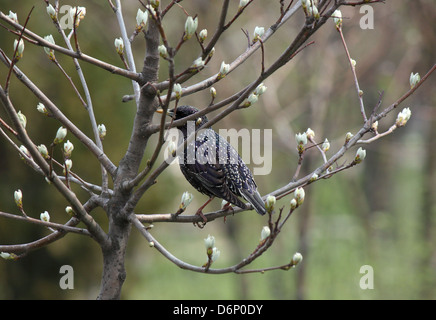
[380,213]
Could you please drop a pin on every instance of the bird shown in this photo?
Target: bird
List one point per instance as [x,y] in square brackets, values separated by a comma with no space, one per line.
[217,170]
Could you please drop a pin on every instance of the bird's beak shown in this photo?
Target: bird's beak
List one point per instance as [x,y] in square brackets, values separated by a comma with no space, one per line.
[170,113]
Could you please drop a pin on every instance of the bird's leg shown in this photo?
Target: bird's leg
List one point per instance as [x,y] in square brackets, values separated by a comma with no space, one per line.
[200,213]
[226,207]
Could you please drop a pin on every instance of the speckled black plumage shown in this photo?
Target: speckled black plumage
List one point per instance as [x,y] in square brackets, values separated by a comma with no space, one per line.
[217,170]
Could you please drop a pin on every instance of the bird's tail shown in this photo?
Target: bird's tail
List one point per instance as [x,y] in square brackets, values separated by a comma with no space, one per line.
[256,201]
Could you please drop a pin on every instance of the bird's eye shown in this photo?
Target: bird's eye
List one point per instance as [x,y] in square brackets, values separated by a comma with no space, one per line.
[198,121]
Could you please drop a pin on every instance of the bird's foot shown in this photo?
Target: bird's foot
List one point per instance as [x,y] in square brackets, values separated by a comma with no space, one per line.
[198,223]
[227,207]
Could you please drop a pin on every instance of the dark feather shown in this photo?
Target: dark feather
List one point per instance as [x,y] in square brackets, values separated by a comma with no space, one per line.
[217,169]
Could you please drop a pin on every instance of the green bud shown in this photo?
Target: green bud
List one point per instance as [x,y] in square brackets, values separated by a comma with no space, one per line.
[297,258]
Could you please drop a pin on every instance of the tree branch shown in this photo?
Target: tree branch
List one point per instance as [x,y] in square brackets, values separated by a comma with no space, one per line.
[57,226]
[81,56]
[96,231]
[55,111]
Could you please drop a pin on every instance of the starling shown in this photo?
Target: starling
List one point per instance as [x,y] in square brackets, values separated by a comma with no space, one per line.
[212,166]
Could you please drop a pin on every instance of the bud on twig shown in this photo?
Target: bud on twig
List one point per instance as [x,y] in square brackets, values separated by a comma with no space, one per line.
[209,242]
[269,203]
[258,33]
[43,151]
[77,14]
[212,252]
[69,210]
[22,118]
[326,145]
[68,165]
[101,128]
[177,88]
[45,216]
[8,256]
[60,135]
[172,147]
[26,152]
[68,149]
[198,63]
[19,47]
[414,79]
[260,89]
[293,203]
[337,19]
[48,51]
[310,134]
[299,195]
[252,99]
[141,19]
[212,92]
[163,51]
[224,69]
[360,155]
[374,126]
[211,53]
[41,108]
[81,12]
[155,3]
[297,258]
[313,11]
[215,254]
[190,27]
[301,139]
[305,4]
[51,12]
[13,16]
[403,117]
[18,197]
[265,233]
[202,35]
[242,4]
[313,178]
[119,45]
[186,200]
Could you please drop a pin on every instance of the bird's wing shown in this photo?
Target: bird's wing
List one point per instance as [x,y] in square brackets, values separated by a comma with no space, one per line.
[207,174]
[239,178]
[214,180]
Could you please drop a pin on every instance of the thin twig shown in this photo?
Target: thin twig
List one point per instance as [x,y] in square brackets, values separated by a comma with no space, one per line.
[184,265]
[71,81]
[56,226]
[356,82]
[55,111]
[98,234]
[44,43]
[14,60]
[128,49]
[378,136]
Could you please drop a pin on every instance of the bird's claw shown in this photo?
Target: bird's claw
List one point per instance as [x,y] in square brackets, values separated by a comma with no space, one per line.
[199,223]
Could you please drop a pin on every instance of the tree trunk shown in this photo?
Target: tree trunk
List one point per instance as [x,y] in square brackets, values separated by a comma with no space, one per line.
[114,272]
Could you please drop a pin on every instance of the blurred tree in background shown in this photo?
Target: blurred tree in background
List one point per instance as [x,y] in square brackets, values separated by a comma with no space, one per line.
[380,213]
